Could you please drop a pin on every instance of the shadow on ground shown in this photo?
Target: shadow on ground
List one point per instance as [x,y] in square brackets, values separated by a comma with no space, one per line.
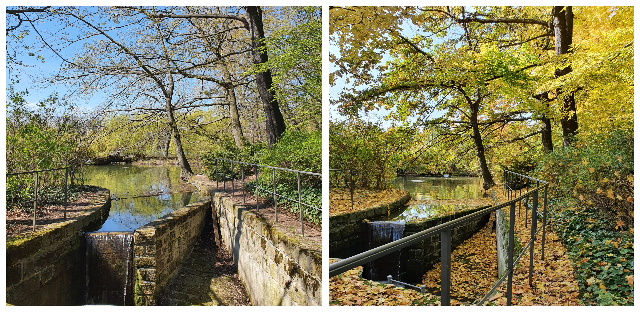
[207,277]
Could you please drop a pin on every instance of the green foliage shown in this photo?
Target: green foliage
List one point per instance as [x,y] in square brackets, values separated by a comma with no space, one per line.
[598,172]
[295,60]
[603,257]
[376,154]
[295,150]
[38,138]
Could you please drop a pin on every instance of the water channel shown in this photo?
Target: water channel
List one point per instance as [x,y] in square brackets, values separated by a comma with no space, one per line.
[139,195]
[430,197]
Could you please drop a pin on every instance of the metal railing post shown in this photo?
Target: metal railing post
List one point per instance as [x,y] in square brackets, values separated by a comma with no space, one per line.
[35,202]
[534,225]
[224,178]
[445,272]
[233,180]
[255,169]
[216,172]
[244,202]
[299,204]
[544,220]
[66,191]
[512,225]
[351,186]
[275,201]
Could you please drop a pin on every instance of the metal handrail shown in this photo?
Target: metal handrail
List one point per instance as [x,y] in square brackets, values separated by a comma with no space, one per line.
[257,188]
[35,198]
[445,232]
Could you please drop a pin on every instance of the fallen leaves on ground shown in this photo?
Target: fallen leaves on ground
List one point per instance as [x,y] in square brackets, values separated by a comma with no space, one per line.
[474,267]
[350,289]
[340,199]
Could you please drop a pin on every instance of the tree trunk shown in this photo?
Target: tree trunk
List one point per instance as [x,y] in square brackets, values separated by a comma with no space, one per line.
[275,126]
[185,168]
[167,143]
[477,139]
[547,140]
[563,31]
[234,116]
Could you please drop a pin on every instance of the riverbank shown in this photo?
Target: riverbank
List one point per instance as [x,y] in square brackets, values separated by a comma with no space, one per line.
[340,199]
[19,221]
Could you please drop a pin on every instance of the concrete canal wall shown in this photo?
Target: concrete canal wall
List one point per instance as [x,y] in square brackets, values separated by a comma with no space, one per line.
[348,231]
[160,247]
[274,267]
[45,267]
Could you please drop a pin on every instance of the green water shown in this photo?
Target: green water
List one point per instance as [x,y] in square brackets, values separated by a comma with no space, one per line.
[139,194]
[427,194]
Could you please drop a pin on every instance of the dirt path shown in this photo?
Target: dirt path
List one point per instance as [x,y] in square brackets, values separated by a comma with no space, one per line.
[207,277]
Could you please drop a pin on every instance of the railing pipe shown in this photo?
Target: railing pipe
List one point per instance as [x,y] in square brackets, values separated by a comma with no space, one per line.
[544,220]
[275,201]
[244,202]
[445,267]
[255,168]
[233,185]
[512,224]
[299,203]
[534,224]
[35,202]
[66,191]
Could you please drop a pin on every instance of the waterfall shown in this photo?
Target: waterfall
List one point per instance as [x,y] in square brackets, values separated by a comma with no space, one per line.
[109,268]
[381,233]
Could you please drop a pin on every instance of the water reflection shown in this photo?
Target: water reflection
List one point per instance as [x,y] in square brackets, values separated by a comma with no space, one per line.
[430,188]
[436,196]
[141,193]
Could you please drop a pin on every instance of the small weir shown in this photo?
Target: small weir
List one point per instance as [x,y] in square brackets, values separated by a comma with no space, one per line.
[380,233]
[139,196]
[431,197]
[109,271]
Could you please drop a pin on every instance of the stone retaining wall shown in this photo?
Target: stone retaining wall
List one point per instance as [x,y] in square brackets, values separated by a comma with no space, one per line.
[275,268]
[421,257]
[160,247]
[46,267]
[348,231]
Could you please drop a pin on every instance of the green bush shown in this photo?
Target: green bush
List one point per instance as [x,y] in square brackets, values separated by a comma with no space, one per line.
[38,138]
[295,150]
[598,172]
[602,257]
[365,147]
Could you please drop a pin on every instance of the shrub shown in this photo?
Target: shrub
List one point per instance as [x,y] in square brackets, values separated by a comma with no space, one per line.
[365,147]
[295,150]
[598,172]
[602,257]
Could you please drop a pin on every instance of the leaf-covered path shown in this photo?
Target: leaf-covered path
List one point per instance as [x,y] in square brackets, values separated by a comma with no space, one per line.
[473,272]
[474,267]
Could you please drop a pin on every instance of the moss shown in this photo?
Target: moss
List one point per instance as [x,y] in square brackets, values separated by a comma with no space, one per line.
[137,291]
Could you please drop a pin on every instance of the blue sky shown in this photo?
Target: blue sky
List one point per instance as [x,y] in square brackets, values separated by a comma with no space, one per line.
[29,75]
[409,30]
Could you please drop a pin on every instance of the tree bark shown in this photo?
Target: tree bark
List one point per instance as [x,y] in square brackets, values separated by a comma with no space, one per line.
[167,143]
[563,31]
[234,116]
[547,141]
[275,125]
[477,139]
